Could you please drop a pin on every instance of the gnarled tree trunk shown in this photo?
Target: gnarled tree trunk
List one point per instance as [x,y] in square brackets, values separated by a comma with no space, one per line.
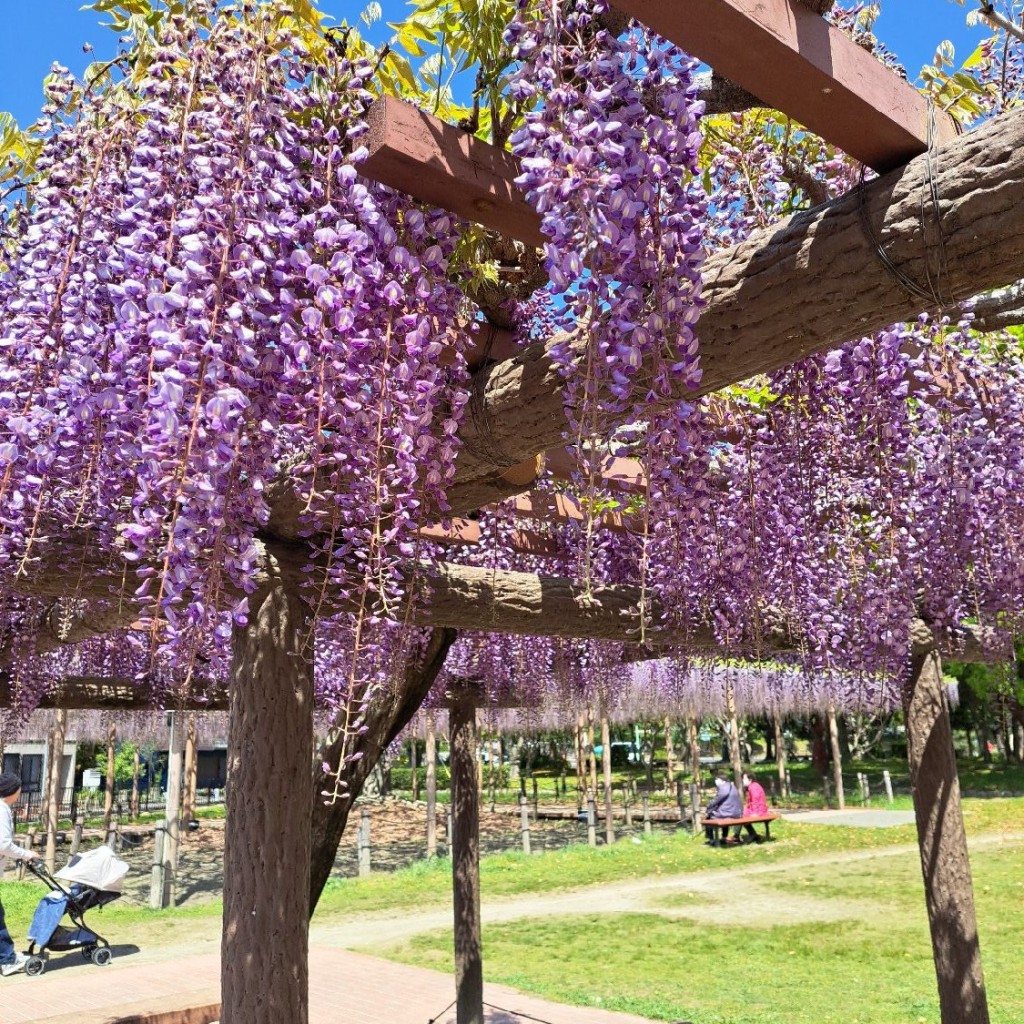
[837,757]
[264,949]
[53,786]
[949,893]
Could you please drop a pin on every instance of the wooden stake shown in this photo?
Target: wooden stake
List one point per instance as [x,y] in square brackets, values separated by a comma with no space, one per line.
[524,823]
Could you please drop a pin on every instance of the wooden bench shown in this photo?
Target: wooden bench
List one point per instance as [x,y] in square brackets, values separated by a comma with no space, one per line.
[726,823]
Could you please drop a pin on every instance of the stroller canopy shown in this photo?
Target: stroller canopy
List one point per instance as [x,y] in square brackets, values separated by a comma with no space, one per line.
[98,869]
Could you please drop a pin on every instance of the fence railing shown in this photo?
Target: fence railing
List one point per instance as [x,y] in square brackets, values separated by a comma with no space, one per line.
[90,803]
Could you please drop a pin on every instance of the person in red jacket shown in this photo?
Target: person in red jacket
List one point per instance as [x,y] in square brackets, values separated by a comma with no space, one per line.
[757,804]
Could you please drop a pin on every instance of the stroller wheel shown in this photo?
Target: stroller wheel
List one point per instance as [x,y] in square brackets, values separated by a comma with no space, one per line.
[35,965]
[101,956]
[87,952]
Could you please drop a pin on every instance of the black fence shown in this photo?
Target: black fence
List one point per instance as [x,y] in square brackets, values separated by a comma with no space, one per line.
[89,803]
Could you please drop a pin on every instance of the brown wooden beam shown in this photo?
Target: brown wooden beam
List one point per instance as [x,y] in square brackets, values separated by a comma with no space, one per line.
[443,165]
[95,693]
[796,62]
[487,600]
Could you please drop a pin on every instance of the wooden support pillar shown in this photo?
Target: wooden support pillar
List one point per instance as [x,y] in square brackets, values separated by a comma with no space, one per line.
[265,945]
[108,796]
[469,979]
[606,768]
[431,758]
[54,789]
[837,757]
[414,768]
[188,803]
[949,892]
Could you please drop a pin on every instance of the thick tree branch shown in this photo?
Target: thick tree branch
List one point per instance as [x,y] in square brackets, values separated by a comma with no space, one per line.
[807,285]
[1000,309]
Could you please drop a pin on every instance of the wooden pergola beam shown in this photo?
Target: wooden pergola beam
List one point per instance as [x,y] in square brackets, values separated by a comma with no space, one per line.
[96,693]
[484,600]
[788,56]
[423,156]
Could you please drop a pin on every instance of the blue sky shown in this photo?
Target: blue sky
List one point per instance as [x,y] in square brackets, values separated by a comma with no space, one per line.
[37,32]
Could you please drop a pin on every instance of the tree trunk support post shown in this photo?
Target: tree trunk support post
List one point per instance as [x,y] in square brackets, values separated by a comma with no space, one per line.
[431,759]
[188,804]
[465,845]
[108,796]
[56,766]
[837,757]
[949,893]
[172,812]
[606,770]
[265,945]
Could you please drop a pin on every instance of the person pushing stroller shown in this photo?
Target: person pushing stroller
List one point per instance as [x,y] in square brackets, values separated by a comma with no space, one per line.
[11,961]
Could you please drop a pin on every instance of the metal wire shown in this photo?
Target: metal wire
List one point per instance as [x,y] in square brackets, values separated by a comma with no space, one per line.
[932,290]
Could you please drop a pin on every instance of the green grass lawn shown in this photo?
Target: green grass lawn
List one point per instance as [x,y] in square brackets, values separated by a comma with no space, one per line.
[874,968]
[679,969]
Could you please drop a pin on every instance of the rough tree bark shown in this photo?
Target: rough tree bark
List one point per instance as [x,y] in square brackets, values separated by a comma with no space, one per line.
[783,294]
[670,756]
[108,796]
[469,976]
[837,757]
[591,755]
[388,714]
[188,802]
[265,943]
[949,893]
[606,771]
[136,766]
[53,786]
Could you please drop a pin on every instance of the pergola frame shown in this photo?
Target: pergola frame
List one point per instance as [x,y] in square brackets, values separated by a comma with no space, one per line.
[782,52]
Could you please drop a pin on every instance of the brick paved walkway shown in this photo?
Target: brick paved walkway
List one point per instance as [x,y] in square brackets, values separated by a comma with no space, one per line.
[345,988]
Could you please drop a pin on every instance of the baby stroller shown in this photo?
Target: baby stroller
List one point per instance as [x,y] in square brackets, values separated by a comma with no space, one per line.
[95,879]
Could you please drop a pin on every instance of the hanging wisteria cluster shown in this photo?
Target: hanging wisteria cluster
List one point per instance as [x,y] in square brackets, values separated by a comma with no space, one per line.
[206,307]
[204,295]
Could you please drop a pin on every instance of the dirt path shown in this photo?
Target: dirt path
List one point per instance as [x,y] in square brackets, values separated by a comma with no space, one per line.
[742,893]
[731,893]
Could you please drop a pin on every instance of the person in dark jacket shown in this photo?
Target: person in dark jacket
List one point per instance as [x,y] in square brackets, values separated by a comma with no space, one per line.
[11,961]
[726,804]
